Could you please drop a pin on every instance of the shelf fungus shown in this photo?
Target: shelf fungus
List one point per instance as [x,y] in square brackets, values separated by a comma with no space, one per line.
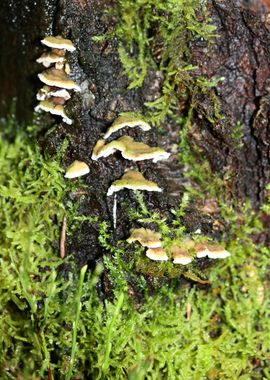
[130,150]
[157,254]
[211,250]
[127,120]
[58,78]
[133,180]
[47,92]
[77,169]
[180,255]
[146,237]
[58,42]
[47,59]
[54,109]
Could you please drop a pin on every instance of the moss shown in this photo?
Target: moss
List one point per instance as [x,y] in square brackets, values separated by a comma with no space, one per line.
[58,328]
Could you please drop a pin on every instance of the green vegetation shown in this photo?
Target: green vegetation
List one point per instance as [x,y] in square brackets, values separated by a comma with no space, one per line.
[156,35]
[59,328]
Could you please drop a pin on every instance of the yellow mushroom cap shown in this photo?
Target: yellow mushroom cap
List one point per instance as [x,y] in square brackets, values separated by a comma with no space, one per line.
[130,150]
[58,78]
[127,120]
[77,169]
[157,254]
[49,106]
[146,237]
[58,42]
[48,58]
[212,250]
[133,180]
[180,256]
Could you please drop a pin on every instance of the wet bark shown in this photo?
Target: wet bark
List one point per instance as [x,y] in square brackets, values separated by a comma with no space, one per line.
[240,54]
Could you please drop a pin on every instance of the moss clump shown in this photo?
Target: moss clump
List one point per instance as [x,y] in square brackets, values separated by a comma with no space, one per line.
[156,35]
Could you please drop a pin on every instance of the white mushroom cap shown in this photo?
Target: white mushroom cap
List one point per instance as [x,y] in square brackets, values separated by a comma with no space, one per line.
[49,106]
[212,250]
[49,58]
[146,237]
[127,120]
[58,42]
[47,92]
[180,256]
[133,180]
[58,78]
[157,254]
[77,169]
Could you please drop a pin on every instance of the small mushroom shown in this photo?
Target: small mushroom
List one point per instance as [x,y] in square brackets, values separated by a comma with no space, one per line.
[146,237]
[58,78]
[130,150]
[212,250]
[47,59]
[180,255]
[77,169]
[157,254]
[54,109]
[127,120]
[58,42]
[47,92]
[133,180]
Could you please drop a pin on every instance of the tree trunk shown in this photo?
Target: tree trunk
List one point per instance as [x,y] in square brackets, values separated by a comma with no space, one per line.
[240,54]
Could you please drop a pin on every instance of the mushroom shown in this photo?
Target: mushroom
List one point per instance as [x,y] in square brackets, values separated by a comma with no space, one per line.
[127,120]
[47,92]
[212,250]
[49,58]
[146,237]
[58,42]
[58,78]
[54,109]
[180,255]
[77,169]
[157,254]
[130,150]
[133,180]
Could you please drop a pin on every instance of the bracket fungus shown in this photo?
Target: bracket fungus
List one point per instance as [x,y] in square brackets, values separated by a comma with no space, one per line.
[130,150]
[133,180]
[58,78]
[157,254]
[54,109]
[47,59]
[180,255]
[47,92]
[77,169]
[127,120]
[212,250]
[58,42]
[146,237]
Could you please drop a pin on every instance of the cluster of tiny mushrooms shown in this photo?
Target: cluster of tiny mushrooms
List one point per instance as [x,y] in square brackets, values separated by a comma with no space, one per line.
[53,97]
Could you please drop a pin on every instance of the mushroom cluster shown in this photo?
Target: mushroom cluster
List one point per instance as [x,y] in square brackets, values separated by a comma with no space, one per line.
[57,83]
[181,253]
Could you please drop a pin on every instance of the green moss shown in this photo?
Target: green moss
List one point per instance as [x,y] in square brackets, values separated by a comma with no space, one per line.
[156,35]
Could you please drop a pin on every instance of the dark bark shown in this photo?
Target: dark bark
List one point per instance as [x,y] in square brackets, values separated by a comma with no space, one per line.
[240,55]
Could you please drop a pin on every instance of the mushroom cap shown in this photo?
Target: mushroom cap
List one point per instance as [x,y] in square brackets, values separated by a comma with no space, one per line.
[130,150]
[49,58]
[146,237]
[58,78]
[133,180]
[49,106]
[58,42]
[180,255]
[77,169]
[212,250]
[127,120]
[47,92]
[157,254]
